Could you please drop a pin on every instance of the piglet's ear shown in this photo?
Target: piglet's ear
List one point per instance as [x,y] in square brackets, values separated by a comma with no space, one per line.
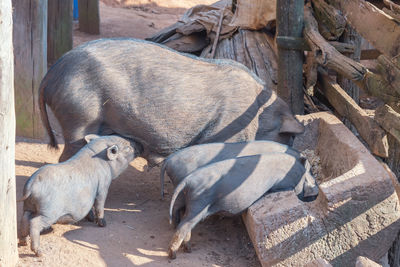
[112,152]
[90,137]
[291,125]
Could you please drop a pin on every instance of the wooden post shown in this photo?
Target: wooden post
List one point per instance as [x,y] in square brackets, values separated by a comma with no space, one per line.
[352,37]
[30,51]
[289,20]
[8,206]
[59,30]
[89,16]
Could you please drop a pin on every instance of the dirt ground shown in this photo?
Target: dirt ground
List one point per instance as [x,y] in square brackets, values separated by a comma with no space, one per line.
[137,232]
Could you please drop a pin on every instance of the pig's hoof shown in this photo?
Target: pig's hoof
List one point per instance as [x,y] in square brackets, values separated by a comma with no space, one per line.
[187,248]
[22,242]
[171,254]
[101,223]
[38,253]
[90,216]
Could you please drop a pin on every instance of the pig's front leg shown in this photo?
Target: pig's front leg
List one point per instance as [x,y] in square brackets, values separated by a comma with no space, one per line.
[99,208]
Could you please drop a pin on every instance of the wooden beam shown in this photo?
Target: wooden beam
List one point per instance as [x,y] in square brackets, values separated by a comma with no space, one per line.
[370,54]
[296,43]
[59,31]
[389,72]
[30,65]
[8,205]
[331,22]
[352,37]
[89,16]
[384,36]
[289,20]
[326,55]
[389,120]
[392,6]
[394,15]
[368,129]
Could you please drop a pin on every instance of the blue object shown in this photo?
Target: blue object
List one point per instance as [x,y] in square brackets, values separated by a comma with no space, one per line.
[76,10]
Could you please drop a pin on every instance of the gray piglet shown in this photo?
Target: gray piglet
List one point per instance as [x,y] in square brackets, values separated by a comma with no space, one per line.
[233,185]
[66,192]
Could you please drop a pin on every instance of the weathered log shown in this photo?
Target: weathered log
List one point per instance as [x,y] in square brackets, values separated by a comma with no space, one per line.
[368,129]
[89,16]
[30,54]
[329,18]
[389,120]
[295,43]
[59,31]
[389,72]
[361,15]
[370,54]
[254,49]
[327,55]
[352,37]
[394,15]
[392,6]
[289,20]
[8,206]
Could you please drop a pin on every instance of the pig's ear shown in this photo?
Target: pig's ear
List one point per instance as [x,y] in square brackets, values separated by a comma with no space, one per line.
[90,137]
[112,152]
[291,125]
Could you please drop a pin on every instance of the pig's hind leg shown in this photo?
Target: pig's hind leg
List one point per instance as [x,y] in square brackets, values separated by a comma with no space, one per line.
[26,217]
[191,219]
[38,223]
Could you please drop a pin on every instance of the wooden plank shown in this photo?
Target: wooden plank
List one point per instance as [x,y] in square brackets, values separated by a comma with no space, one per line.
[326,55]
[389,120]
[394,15]
[295,43]
[289,21]
[384,36]
[59,31]
[331,22]
[8,206]
[389,72]
[30,43]
[89,16]
[392,6]
[352,37]
[368,129]
[370,54]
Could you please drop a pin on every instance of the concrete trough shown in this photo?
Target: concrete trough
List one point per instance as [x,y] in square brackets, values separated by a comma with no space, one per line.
[356,213]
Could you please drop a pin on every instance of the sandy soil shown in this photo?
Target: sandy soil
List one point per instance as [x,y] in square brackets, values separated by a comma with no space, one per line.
[137,232]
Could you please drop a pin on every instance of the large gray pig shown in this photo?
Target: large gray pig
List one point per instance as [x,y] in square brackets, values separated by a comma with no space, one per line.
[66,192]
[183,162]
[163,99]
[233,185]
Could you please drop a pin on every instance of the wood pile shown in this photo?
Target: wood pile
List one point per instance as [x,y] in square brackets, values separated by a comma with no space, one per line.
[331,40]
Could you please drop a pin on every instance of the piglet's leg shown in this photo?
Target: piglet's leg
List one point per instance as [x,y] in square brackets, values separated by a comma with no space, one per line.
[186,243]
[99,207]
[24,227]
[184,229]
[38,223]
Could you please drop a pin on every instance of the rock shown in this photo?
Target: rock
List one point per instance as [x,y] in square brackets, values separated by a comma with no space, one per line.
[365,262]
[356,212]
[318,263]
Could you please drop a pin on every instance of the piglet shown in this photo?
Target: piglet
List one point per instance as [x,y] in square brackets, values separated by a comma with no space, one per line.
[231,186]
[67,191]
[183,162]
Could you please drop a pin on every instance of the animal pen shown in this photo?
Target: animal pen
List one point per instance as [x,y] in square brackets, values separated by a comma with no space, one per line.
[325,58]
